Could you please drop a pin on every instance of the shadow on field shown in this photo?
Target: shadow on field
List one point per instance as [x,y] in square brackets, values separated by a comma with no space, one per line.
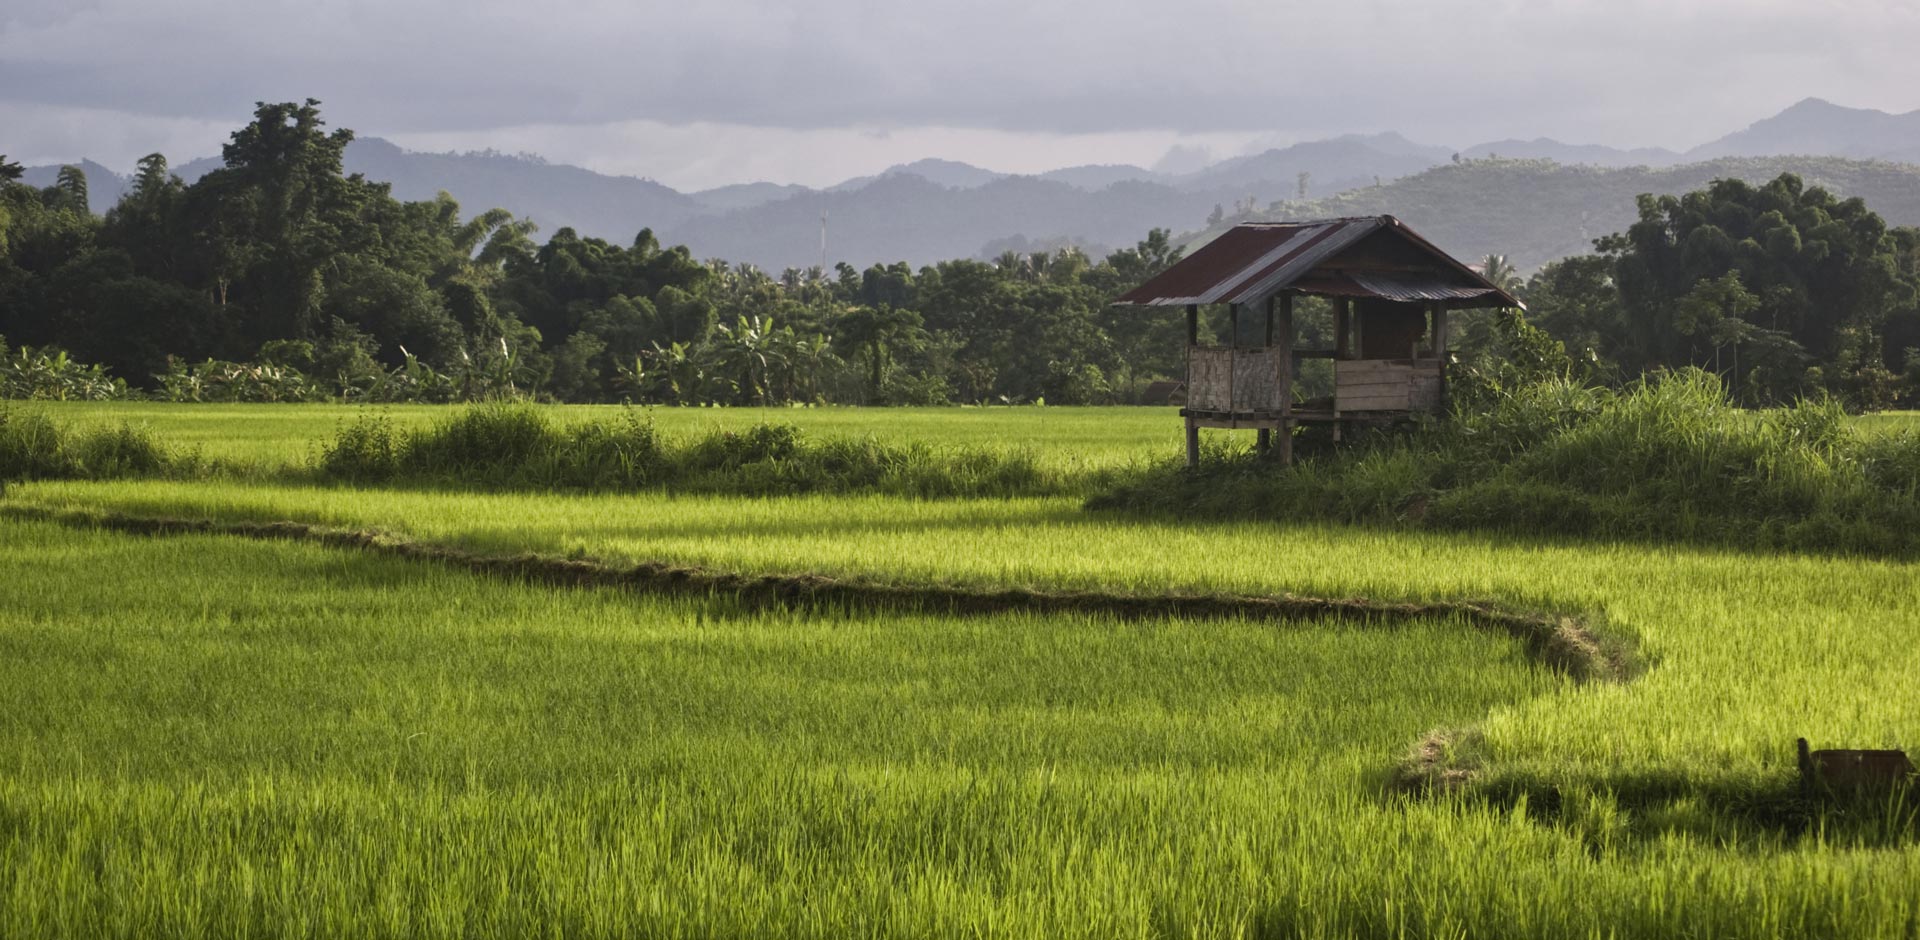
[1629,811]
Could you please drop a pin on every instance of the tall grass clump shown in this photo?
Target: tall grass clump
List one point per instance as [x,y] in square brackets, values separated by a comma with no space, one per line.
[1668,458]
[35,447]
[516,446]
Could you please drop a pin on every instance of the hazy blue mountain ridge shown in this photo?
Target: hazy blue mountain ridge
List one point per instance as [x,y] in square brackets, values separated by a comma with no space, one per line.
[933,208]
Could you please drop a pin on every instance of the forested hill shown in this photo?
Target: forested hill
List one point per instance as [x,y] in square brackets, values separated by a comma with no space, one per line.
[553,194]
[903,217]
[932,210]
[1534,211]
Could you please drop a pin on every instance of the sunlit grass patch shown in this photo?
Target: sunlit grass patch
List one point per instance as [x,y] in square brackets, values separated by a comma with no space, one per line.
[281,739]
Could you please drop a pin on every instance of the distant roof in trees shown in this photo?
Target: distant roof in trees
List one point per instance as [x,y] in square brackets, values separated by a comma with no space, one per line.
[1373,256]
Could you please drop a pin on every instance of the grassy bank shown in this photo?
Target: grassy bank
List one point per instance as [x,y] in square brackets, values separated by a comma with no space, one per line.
[1667,460]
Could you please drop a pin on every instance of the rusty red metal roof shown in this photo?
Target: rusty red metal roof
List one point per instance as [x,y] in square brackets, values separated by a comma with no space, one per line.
[1256,260]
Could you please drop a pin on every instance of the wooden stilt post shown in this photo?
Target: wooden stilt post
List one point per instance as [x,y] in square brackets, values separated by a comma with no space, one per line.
[1233,353]
[1440,344]
[1263,438]
[1280,337]
[1343,329]
[1342,351]
[1193,430]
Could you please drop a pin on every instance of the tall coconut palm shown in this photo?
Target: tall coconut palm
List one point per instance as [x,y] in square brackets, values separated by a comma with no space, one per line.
[1499,270]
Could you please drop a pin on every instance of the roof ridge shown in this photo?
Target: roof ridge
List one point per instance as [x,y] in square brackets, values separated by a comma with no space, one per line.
[1252,261]
[1326,221]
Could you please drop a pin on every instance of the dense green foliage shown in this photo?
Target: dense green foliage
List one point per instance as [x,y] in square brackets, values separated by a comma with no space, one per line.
[1667,459]
[280,278]
[52,375]
[1782,289]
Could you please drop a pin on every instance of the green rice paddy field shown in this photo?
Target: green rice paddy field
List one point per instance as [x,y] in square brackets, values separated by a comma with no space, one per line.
[209,735]
[270,435]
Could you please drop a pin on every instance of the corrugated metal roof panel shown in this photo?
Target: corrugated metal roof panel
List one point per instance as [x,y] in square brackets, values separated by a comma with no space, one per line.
[1402,288]
[1253,261]
[1246,260]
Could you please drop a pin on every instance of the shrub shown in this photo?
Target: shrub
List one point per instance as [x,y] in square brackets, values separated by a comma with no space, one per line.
[103,453]
[361,452]
[515,446]
[495,442]
[618,455]
[34,447]
[31,447]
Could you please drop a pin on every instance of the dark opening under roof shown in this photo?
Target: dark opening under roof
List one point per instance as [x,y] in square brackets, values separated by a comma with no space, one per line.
[1256,260]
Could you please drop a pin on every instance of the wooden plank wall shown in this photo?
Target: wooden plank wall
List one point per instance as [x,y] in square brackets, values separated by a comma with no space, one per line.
[1387,385]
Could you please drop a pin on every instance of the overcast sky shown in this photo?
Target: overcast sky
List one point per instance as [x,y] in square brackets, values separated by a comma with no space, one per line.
[696,93]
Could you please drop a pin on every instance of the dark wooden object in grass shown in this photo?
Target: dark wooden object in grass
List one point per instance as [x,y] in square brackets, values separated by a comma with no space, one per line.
[1852,772]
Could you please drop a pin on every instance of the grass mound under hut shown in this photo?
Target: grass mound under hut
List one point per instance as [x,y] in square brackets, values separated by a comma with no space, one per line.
[1667,458]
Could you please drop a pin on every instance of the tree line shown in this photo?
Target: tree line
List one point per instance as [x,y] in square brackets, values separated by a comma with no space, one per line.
[1783,290]
[280,277]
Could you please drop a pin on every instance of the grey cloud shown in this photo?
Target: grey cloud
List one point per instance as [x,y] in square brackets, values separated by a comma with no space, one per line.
[1628,71]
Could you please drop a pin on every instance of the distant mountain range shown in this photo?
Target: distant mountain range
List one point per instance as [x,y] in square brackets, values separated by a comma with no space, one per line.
[934,209]
[1535,211]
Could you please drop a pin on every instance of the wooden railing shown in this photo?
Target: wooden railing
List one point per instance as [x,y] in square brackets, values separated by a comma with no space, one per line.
[1228,381]
[1386,385]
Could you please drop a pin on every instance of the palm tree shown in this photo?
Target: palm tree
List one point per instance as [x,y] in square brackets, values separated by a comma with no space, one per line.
[872,330]
[1497,269]
[812,361]
[1039,266]
[751,351]
[676,364]
[72,186]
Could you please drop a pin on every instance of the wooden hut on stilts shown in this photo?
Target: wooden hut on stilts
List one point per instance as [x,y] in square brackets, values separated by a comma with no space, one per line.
[1391,292]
